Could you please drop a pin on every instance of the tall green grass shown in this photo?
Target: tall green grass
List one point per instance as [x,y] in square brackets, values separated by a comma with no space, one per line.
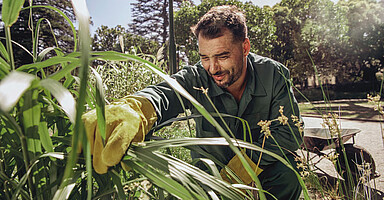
[42,132]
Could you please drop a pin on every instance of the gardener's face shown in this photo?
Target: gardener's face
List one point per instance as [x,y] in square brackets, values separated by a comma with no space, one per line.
[224,59]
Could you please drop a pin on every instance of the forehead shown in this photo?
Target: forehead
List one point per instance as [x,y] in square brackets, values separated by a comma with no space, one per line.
[208,46]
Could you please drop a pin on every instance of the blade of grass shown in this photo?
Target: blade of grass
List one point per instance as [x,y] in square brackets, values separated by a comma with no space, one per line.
[4,66]
[152,146]
[31,112]
[116,179]
[10,11]
[19,45]
[47,63]
[36,56]
[65,72]
[89,170]
[83,17]
[45,138]
[3,52]
[63,96]
[161,180]
[44,52]
[74,32]
[12,87]
[100,104]
[27,175]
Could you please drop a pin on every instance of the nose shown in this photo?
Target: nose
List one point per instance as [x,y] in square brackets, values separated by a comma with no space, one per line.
[213,66]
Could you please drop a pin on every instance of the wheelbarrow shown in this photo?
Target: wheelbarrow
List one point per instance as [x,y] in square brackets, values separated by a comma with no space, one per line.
[317,140]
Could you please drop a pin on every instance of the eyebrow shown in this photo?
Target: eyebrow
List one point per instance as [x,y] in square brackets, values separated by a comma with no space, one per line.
[217,55]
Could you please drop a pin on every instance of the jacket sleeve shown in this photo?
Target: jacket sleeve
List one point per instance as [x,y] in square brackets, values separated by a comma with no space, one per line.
[164,99]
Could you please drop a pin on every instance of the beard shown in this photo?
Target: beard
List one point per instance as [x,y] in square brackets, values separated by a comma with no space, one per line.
[231,76]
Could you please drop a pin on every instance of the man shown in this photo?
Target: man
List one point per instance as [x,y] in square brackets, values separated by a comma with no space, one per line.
[239,83]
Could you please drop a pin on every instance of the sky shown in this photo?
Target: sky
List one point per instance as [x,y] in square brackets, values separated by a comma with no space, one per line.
[118,12]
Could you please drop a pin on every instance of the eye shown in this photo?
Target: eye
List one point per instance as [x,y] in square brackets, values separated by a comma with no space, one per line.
[223,57]
[204,58]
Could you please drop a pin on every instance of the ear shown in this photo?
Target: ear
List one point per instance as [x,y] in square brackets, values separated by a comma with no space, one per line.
[246,46]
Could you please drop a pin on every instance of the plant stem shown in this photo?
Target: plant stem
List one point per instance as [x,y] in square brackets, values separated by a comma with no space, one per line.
[9,46]
[2,170]
[24,149]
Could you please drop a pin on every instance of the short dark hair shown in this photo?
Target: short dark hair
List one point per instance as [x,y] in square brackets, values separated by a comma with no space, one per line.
[218,18]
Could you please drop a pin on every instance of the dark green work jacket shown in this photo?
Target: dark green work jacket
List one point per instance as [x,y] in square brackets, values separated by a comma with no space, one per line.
[267,89]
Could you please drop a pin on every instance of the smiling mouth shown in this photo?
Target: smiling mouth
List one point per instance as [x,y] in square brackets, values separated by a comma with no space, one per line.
[218,76]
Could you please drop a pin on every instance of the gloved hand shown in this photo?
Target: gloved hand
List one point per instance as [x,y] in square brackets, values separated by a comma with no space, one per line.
[237,167]
[127,120]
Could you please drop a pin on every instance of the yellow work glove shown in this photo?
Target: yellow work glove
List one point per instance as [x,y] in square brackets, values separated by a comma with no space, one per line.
[237,167]
[127,120]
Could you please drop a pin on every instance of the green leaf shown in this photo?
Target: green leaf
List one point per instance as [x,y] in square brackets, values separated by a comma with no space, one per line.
[65,17]
[26,175]
[44,52]
[88,158]
[63,96]
[3,52]
[31,113]
[82,16]
[47,63]
[4,66]
[66,70]
[100,104]
[10,11]
[170,185]
[20,46]
[12,87]
[63,193]
[212,166]
[46,140]
[116,179]
[184,172]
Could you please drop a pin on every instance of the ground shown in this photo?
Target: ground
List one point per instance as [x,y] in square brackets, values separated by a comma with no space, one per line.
[354,114]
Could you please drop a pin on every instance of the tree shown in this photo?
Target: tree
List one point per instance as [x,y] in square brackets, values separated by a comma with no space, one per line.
[108,39]
[365,22]
[151,20]
[54,30]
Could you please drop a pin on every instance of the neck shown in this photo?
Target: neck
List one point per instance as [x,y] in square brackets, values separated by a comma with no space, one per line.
[237,88]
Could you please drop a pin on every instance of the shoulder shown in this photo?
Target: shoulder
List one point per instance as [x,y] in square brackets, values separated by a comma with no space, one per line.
[192,72]
[266,65]
[192,76]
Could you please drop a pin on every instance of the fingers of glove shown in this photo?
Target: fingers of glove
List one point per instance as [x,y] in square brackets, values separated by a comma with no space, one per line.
[139,137]
[90,124]
[236,166]
[98,164]
[121,137]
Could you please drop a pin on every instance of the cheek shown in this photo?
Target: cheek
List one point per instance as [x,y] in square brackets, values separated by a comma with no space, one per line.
[227,64]
[205,65]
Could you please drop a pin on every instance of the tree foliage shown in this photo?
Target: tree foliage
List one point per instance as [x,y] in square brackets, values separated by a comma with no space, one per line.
[151,19]
[110,39]
[54,30]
